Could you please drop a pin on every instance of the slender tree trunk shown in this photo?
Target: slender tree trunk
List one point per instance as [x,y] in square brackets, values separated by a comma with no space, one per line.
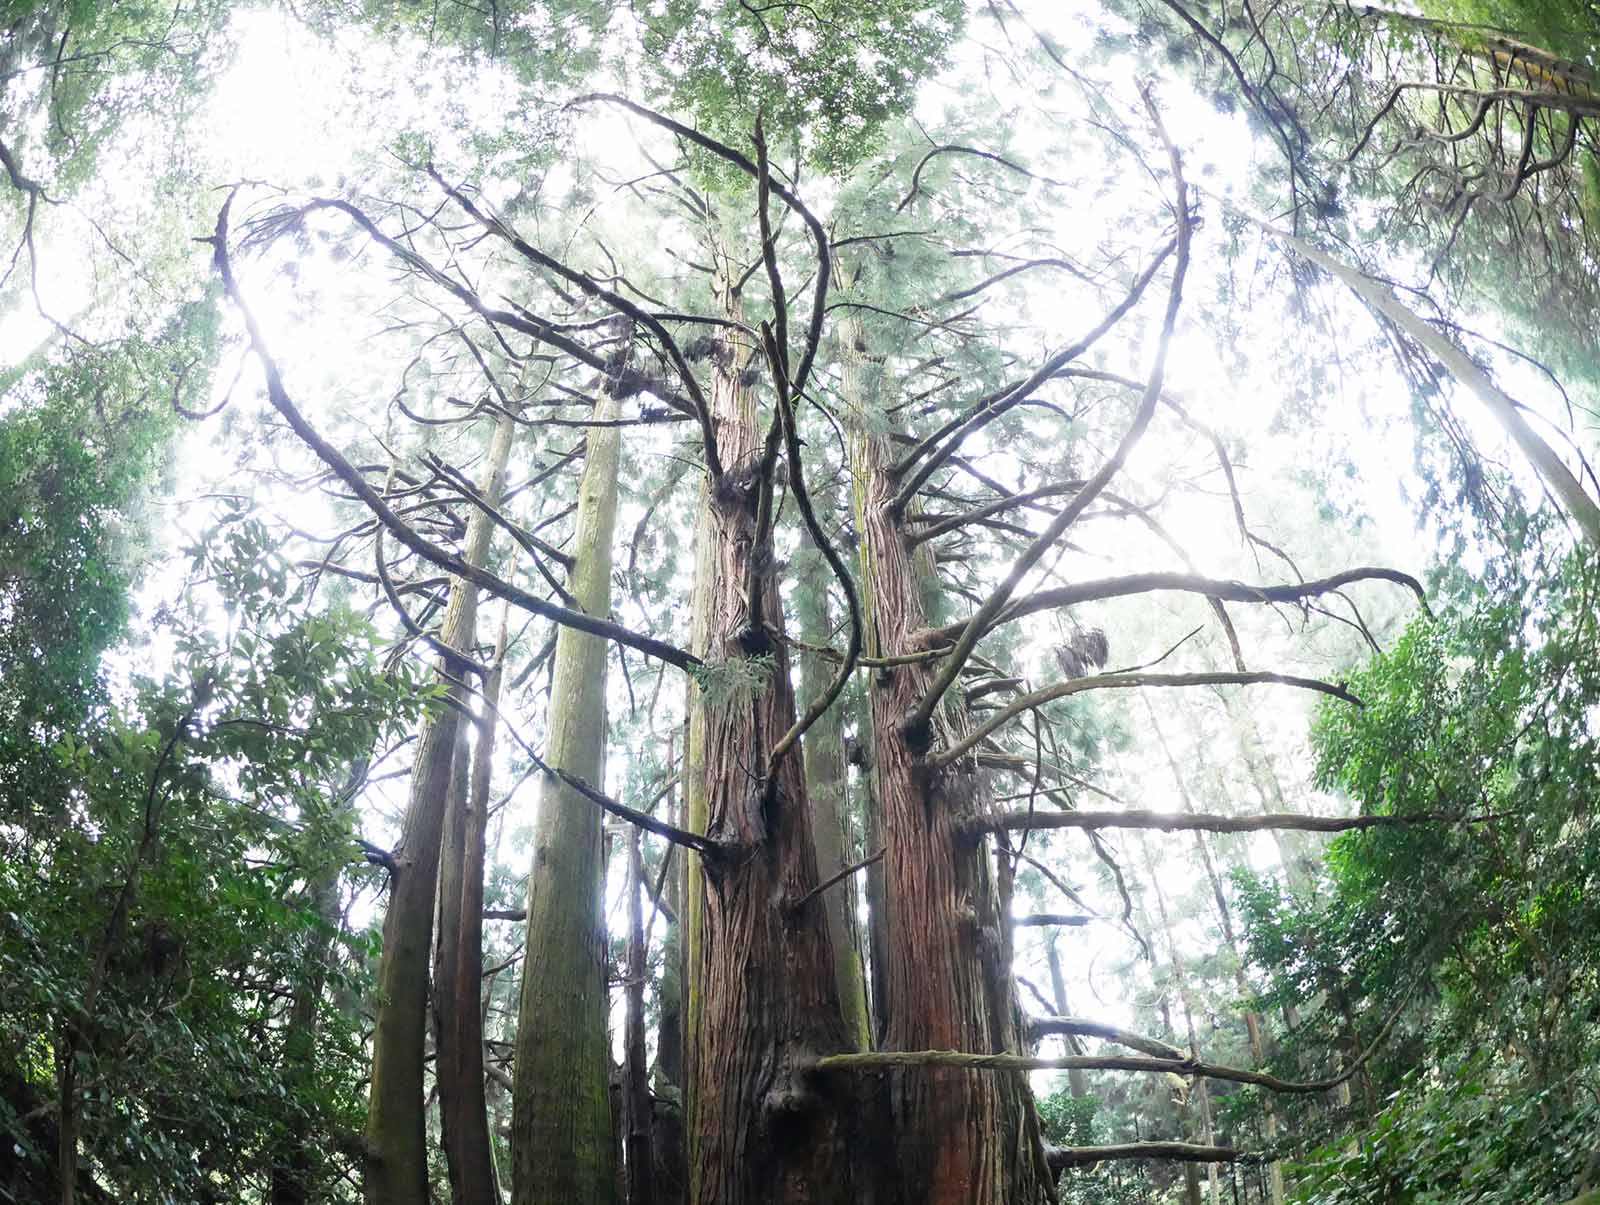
[961,1136]
[561,1114]
[1077,1078]
[668,1145]
[695,802]
[396,1134]
[1252,1019]
[667,1135]
[637,1107]
[825,788]
[458,965]
[1199,1093]
[1564,486]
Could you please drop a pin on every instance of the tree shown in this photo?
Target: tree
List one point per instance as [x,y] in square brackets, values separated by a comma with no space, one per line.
[151,946]
[561,1130]
[903,381]
[1476,707]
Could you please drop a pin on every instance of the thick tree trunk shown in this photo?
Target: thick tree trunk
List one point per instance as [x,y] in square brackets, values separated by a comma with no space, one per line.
[877,919]
[962,1136]
[764,998]
[561,1115]
[396,1134]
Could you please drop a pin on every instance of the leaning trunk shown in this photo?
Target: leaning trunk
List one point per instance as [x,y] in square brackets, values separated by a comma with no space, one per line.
[637,1107]
[561,1135]
[1563,485]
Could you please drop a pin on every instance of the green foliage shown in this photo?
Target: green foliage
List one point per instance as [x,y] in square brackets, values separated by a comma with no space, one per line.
[824,76]
[1480,930]
[92,71]
[1473,1133]
[193,821]
[1067,1120]
[542,41]
[1567,27]
[738,678]
[81,440]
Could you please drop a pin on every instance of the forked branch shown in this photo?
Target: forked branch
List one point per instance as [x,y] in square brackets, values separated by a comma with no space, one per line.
[918,725]
[1124,681]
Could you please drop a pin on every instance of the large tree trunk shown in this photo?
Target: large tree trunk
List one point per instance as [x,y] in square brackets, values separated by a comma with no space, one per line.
[764,999]
[561,1134]
[962,1136]
[396,1134]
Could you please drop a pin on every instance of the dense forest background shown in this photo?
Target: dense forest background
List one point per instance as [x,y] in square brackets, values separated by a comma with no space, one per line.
[849,600]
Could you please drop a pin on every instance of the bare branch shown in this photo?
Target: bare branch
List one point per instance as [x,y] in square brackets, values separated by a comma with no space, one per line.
[1124,681]
[278,395]
[1061,1157]
[1209,822]
[918,725]
[1042,920]
[1189,583]
[1039,1027]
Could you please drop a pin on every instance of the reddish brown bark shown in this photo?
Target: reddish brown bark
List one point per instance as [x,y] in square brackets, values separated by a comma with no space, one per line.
[764,998]
[962,1136]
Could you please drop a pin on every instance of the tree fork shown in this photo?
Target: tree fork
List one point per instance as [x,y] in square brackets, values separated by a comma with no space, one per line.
[396,1143]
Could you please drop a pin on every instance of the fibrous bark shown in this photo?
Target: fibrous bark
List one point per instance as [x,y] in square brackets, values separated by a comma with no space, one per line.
[960,1135]
[763,993]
